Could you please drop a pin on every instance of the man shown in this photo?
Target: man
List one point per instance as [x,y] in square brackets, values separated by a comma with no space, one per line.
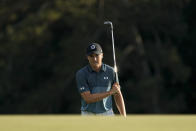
[96,84]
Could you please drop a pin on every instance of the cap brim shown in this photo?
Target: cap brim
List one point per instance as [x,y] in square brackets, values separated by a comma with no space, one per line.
[94,52]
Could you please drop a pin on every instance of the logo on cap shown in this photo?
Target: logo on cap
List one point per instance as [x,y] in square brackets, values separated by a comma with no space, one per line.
[92,47]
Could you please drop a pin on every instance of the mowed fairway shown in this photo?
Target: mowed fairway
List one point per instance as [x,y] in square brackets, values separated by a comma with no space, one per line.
[78,123]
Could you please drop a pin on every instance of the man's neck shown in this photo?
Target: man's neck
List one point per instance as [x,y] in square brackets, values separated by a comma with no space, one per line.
[96,69]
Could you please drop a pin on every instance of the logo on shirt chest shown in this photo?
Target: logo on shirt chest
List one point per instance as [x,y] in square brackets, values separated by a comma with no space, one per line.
[105,77]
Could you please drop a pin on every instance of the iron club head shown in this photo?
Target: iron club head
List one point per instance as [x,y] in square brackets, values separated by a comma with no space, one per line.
[108,23]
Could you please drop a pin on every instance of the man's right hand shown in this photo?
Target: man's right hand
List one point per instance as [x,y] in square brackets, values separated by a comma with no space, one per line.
[115,89]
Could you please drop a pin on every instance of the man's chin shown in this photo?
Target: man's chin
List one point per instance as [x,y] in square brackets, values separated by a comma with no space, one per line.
[97,65]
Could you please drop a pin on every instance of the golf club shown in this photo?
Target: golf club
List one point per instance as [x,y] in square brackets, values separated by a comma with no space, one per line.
[114,56]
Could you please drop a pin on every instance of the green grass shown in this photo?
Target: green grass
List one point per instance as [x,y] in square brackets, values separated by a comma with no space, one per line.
[78,123]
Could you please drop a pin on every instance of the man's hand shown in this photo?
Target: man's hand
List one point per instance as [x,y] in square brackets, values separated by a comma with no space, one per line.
[115,89]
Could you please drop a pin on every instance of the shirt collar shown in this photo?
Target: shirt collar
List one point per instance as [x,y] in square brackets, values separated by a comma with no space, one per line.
[103,68]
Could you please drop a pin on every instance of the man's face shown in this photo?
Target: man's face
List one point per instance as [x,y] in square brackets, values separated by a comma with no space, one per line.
[95,60]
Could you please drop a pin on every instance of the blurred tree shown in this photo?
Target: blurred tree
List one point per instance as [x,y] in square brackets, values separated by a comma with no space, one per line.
[42,45]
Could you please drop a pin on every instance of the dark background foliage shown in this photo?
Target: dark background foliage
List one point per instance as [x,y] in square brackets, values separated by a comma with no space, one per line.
[42,45]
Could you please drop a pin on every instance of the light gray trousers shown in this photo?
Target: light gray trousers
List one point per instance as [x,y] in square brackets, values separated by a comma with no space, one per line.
[107,113]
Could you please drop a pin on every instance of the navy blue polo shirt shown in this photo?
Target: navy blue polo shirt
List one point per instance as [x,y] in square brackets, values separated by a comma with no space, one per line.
[96,82]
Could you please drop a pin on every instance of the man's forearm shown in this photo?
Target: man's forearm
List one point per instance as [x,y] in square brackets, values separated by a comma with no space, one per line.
[97,97]
[120,103]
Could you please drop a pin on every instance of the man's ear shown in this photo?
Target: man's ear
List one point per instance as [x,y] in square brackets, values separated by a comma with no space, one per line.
[87,57]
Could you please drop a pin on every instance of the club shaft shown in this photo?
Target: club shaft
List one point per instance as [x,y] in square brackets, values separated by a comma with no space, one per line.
[114,56]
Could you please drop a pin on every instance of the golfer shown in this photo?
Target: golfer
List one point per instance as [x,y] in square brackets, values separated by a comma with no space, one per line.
[96,84]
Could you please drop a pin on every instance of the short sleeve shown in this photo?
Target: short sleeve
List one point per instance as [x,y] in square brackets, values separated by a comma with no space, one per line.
[81,82]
